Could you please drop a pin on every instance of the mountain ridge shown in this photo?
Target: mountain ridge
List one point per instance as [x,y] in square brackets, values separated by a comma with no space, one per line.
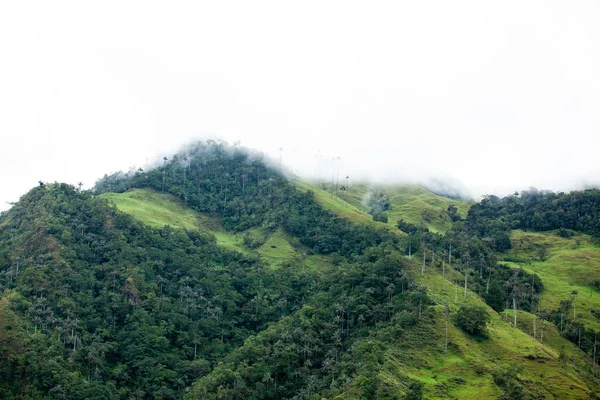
[212,276]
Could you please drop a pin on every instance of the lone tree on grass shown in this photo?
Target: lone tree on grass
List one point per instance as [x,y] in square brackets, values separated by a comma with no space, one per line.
[473,319]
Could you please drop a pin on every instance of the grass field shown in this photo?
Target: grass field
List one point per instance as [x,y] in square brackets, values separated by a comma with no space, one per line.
[346,209]
[154,209]
[411,203]
[467,370]
[572,264]
[414,203]
[158,210]
[277,249]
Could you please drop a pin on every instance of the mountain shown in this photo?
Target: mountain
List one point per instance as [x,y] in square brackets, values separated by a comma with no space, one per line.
[411,203]
[213,276]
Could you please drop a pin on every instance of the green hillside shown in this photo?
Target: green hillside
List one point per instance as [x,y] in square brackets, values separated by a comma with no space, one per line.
[473,367]
[469,369]
[158,210]
[346,207]
[239,284]
[570,269]
[415,204]
[412,203]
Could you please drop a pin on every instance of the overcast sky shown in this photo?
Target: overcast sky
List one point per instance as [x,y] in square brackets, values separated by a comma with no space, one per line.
[495,95]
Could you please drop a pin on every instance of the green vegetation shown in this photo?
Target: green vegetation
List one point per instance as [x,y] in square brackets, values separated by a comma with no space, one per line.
[154,209]
[277,249]
[473,319]
[415,204]
[571,265]
[410,203]
[115,308]
[158,210]
[214,277]
[471,366]
[545,211]
[348,210]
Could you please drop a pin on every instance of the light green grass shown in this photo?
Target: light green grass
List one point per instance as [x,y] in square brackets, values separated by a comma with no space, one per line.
[277,249]
[345,209]
[335,204]
[154,209]
[411,203]
[475,360]
[158,210]
[414,204]
[317,262]
[569,267]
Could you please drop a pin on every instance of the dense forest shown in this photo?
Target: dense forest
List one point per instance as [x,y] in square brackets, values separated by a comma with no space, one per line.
[115,309]
[98,305]
[542,211]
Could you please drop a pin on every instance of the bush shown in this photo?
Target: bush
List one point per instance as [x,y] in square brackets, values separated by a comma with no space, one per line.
[380,216]
[564,233]
[254,239]
[473,320]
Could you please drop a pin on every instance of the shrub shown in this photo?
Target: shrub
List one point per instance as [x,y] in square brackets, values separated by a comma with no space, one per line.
[380,216]
[473,320]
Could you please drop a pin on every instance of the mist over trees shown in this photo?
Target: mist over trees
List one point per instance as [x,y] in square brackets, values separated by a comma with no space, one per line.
[113,308]
[542,211]
[107,307]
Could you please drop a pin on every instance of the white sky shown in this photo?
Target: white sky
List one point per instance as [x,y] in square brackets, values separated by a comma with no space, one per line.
[498,95]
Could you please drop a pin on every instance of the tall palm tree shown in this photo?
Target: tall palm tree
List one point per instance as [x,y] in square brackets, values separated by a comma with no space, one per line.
[164,174]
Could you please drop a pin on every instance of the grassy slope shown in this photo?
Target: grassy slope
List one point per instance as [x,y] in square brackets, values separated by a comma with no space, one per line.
[475,360]
[154,209]
[277,249]
[409,202]
[158,210]
[569,267]
[349,210]
[420,355]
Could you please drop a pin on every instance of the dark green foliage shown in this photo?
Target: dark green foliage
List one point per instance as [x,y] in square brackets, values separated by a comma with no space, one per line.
[109,308]
[473,319]
[520,284]
[494,296]
[116,309]
[543,211]
[247,193]
[564,233]
[127,306]
[453,213]
[380,216]
[496,283]
[254,239]
[378,203]
[315,349]
[409,228]
[415,391]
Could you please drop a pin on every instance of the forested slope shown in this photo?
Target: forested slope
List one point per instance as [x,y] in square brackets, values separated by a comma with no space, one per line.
[214,276]
[113,308]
